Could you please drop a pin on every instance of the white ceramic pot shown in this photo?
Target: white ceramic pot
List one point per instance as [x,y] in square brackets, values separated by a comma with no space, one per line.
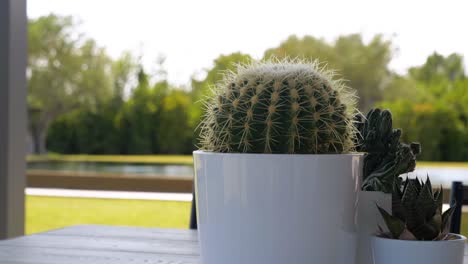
[277,208]
[369,220]
[392,251]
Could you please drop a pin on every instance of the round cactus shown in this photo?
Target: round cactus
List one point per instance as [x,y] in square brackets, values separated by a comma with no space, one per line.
[287,106]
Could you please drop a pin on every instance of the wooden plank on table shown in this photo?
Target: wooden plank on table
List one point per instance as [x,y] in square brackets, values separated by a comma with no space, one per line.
[118,232]
[157,246]
[105,245]
[41,255]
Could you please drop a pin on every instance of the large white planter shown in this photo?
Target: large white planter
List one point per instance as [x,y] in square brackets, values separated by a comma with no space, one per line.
[369,220]
[276,209]
[392,251]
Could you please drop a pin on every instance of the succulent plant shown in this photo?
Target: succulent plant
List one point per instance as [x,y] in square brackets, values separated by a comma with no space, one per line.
[287,106]
[417,212]
[386,157]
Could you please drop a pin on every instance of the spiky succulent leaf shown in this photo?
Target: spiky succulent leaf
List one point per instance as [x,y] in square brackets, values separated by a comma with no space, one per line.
[429,184]
[419,209]
[426,205]
[417,183]
[447,219]
[394,224]
[439,198]
[427,231]
[445,236]
[408,201]
[397,208]
[407,235]
[437,219]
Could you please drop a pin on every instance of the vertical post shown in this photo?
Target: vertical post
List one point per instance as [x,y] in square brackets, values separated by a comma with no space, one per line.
[456,199]
[13,61]
[193,212]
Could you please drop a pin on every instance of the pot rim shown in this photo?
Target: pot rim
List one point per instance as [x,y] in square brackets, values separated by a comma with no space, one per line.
[203,152]
[459,239]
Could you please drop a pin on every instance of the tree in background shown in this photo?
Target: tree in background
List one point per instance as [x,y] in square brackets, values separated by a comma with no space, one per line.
[135,119]
[175,132]
[439,69]
[403,87]
[123,69]
[430,105]
[365,66]
[155,119]
[84,131]
[457,98]
[435,126]
[65,72]
[86,102]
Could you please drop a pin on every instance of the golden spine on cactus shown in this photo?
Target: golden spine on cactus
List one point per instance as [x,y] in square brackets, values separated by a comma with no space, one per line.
[287,106]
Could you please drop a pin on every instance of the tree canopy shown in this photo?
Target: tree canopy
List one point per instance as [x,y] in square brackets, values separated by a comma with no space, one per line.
[65,72]
[81,100]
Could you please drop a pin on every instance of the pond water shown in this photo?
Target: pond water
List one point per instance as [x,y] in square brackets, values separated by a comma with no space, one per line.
[442,175]
[439,175]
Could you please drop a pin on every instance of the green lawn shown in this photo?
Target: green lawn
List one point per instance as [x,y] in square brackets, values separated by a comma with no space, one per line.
[464,226]
[45,213]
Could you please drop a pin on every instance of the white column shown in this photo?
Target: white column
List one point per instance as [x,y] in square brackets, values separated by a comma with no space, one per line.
[13,61]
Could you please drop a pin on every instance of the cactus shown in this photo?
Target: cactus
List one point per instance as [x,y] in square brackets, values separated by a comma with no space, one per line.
[287,106]
[417,213]
[386,157]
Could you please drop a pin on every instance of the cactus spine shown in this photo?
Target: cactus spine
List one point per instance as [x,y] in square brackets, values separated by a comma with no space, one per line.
[287,106]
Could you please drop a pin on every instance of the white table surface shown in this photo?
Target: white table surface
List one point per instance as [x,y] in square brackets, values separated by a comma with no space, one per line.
[95,244]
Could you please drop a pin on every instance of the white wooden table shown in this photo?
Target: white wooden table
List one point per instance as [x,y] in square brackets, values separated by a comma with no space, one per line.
[105,245]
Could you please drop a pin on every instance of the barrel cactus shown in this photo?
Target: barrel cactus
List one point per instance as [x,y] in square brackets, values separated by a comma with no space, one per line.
[287,106]
[417,213]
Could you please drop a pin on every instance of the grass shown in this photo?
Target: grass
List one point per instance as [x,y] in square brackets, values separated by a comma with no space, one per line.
[464,224]
[155,159]
[46,213]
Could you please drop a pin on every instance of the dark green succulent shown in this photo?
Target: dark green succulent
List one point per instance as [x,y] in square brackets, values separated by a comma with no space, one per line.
[417,212]
[387,157]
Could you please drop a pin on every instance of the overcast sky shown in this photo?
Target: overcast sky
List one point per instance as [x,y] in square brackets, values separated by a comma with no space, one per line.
[192,33]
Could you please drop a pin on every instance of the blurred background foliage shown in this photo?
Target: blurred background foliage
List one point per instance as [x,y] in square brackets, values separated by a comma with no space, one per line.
[81,100]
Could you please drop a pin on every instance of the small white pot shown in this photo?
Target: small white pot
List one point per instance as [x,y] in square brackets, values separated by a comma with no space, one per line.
[393,251]
[277,208]
[369,220]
